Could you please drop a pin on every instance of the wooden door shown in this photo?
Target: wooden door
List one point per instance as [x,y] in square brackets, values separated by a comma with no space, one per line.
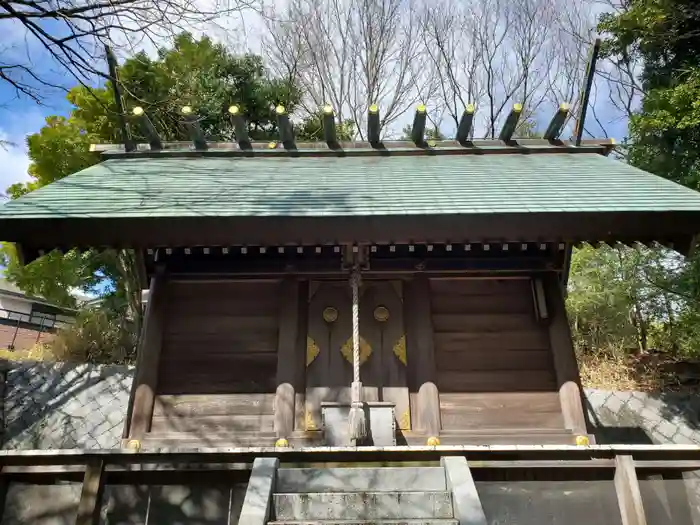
[382,348]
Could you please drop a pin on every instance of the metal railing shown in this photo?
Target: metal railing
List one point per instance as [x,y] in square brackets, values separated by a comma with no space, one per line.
[38,322]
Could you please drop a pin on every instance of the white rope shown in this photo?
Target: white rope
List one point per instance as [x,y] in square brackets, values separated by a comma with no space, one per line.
[358,429]
[355,283]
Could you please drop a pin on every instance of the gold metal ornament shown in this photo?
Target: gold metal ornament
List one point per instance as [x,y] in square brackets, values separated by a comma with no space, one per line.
[330,314]
[381,314]
[309,421]
[405,421]
[133,444]
[582,441]
[365,350]
[281,443]
[433,441]
[312,350]
[400,349]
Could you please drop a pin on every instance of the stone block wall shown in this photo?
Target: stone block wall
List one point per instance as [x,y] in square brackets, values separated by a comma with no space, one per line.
[644,418]
[64,405]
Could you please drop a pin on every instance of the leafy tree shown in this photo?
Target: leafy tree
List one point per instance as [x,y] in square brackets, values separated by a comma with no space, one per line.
[198,73]
[665,132]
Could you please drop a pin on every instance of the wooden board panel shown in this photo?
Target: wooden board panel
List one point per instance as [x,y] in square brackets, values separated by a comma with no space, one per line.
[489,323]
[476,359]
[467,286]
[481,304]
[516,340]
[501,410]
[220,338]
[496,381]
[214,405]
[208,425]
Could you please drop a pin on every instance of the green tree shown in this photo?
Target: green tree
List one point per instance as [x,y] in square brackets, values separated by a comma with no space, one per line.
[663,36]
[198,73]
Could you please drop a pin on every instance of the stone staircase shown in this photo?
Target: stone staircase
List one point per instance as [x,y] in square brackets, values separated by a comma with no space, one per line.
[341,496]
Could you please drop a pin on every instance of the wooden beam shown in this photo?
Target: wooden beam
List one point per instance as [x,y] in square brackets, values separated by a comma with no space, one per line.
[465,124]
[420,348]
[565,365]
[148,359]
[290,361]
[629,496]
[91,494]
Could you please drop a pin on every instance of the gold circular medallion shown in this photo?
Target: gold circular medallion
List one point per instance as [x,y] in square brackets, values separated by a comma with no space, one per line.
[381,314]
[330,314]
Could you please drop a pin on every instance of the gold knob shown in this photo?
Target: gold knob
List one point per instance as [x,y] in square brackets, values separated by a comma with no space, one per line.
[381,314]
[330,314]
[433,441]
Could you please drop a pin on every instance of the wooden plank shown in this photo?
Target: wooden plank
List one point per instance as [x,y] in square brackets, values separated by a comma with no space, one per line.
[520,340]
[485,323]
[476,286]
[149,349]
[479,359]
[565,365]
[480,304]
[290,361]
[533,401]
[214,405]
[222,322]
[210,425]
[629,496]
[220,344]
[420,348]
[501,410]
[496,381]
[91,494]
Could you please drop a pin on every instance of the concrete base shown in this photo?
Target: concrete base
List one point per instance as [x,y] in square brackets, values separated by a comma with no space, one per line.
[362,506]
[413,479]
[379,416]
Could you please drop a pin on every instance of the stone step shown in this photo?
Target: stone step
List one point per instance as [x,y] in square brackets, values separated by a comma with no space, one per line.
[368,522]
[386,479]
[362,506]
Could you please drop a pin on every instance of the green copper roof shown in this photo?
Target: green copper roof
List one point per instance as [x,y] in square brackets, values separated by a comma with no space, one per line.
[353,186]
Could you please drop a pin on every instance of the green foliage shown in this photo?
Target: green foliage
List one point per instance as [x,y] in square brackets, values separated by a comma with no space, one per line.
[198,73]
[662,34]
[626,300]
[311,129]
[433,133]
[99,335]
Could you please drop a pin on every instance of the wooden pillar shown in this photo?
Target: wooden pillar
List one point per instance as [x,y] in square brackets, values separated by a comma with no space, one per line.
[421,354]
[290,357]
[565,365]
[91,494]
[629,496]
[148,358]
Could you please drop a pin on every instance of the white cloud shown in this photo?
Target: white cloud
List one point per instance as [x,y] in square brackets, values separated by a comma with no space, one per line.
[13,162]
[14,159]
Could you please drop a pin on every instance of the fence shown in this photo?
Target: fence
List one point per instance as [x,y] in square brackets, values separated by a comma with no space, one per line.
[21,331]
[527,485]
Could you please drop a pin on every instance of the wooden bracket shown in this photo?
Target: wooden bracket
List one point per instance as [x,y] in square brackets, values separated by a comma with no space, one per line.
[355,255]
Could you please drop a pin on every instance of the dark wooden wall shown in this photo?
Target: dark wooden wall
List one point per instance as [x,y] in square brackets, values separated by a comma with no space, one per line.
[220,338]
[218,364]
[494,363]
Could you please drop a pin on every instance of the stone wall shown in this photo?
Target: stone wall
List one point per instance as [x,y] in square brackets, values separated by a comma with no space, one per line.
[62,405]
[644,418]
